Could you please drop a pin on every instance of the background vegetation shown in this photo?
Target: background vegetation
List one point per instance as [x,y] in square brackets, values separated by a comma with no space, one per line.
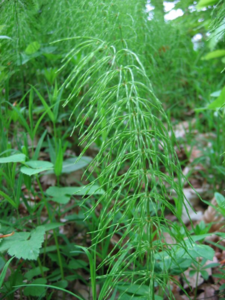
[112,116]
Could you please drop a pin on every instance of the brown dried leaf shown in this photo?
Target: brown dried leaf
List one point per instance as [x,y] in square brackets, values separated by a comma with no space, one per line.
[212,216]
[181,129]
[209,292]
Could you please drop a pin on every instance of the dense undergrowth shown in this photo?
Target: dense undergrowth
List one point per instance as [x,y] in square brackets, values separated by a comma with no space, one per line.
[89,164]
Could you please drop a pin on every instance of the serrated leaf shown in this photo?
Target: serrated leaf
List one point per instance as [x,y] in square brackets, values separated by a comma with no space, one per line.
[13,158]
[62,194]
[14,239]
[214,54]
[36,291]
[32,48]
[18,245]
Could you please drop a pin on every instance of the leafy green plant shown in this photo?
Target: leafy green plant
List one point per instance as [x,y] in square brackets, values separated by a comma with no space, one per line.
[113,64]
[137,137]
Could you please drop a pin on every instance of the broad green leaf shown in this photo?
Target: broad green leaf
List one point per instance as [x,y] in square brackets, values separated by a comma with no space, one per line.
[214,54]
[135,289]
[49,49]
[47,249]
[32,48]
[179,266]
[61,284]
[196,250]
[77,264]
[36,291]
[61,199]
[35,272]
[23,244]
[62,194]
[220,201]
[30,172]
[204,3]
[212,265]
[125,296]
[204,274]
[24,58]
[190,250]
[216,94]
[200,237]
[51,226]
[3,273]
[36,166]
[75,217]
[71,164]
[39,164]
[219,102]
[13,158]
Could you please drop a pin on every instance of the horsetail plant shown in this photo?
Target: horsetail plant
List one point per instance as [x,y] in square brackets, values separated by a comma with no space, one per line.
[111,56]
[131,128]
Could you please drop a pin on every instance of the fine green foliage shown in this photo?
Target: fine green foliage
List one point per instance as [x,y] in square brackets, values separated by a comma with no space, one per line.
[89,173]
[131,128]
[4,270]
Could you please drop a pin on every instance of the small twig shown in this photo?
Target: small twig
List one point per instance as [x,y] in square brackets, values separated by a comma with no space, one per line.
[6,235]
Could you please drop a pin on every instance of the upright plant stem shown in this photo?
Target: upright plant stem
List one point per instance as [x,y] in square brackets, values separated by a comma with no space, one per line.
[54,233]
[18,43]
